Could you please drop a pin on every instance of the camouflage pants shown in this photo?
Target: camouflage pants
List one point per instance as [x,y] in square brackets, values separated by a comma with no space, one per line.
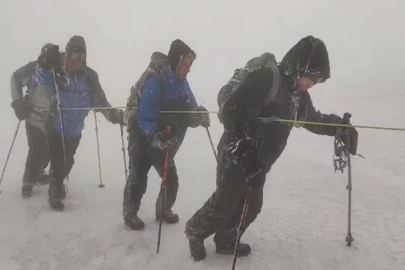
[141,158]
[221,213]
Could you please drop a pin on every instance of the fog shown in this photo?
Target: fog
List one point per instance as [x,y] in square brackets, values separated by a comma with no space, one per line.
[303,221]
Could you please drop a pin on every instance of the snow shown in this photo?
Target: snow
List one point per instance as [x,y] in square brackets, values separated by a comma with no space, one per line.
[303,222]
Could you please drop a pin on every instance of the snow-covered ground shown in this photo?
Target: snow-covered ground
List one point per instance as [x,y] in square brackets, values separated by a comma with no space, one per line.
[303,222]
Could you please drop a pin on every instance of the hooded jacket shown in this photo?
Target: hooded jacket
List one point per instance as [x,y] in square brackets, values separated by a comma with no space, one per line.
[162,90]
[79,89]
[245,105]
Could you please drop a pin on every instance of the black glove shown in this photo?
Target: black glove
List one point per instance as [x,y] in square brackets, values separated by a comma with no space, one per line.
[51,57]
[350,135]
[245,152]
[351,140]
[117,117]
[20,108]
[164,140]
[205,117]
[254,170]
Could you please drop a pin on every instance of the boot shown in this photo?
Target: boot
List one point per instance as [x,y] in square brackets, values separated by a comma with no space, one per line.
[197,248]
[168,216]
[133,222]
[26,190]
[62,189]
[243,250]
[55,195]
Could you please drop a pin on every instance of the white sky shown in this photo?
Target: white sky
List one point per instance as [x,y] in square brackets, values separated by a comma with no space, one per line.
[365,39]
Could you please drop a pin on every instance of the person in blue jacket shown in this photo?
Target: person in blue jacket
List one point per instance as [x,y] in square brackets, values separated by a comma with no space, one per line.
[79,87]
[163,87]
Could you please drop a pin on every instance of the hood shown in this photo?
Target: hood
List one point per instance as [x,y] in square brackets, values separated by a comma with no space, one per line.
[46,46]
[308,56]
[178,49]
[75,44]
[160,64]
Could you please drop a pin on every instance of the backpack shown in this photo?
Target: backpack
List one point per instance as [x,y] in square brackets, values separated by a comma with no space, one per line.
[159,66]
[240,75]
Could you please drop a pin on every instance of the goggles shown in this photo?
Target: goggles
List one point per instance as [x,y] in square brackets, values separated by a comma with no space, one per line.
[314,78]
[77,56]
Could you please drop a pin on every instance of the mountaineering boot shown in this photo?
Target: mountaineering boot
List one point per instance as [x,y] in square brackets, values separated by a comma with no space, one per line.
[62,191]
[133,222]
[26,190]
[56,203]
[168,216]
[43,179]
[243,250]
[197,248]
[55,196]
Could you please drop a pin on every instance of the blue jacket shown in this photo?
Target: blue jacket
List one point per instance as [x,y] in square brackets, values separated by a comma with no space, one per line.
[176,96]
[76,93]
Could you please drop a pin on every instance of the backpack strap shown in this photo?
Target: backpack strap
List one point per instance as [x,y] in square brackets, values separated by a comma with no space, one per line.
[275,84]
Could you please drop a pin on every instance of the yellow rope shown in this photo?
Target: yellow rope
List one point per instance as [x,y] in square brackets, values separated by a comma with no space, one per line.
[279,120]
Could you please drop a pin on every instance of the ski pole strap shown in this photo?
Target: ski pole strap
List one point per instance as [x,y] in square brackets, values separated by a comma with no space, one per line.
[342,149]
[340,155]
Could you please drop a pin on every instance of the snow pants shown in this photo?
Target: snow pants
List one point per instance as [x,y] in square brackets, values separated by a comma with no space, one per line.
[222,212]
[142,156]
[58,169]
[38,154]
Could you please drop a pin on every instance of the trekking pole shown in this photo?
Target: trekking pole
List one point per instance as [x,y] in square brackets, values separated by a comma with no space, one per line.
[9,152]
[101,185]
[341,159]
[241,224]
[61,121]
[163,191]
[212,144]
[349,238]
[123,151]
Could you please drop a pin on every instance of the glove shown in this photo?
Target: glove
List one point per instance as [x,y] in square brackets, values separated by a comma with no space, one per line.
[113,116]
[350,135]
[164,140]
[20,108]
[245,152]
[252,164]
[205,117]
[351,140]
[51,57]
[125,117]
[118,118]
[254,170]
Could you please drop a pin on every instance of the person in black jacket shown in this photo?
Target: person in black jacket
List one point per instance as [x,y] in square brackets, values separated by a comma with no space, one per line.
[248,147]
[38,154]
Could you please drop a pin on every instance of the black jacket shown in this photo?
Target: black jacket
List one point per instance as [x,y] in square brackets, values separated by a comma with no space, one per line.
[245,105]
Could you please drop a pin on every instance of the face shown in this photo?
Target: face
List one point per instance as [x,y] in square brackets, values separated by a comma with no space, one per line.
[304,83]
[185,65]
[76,60]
